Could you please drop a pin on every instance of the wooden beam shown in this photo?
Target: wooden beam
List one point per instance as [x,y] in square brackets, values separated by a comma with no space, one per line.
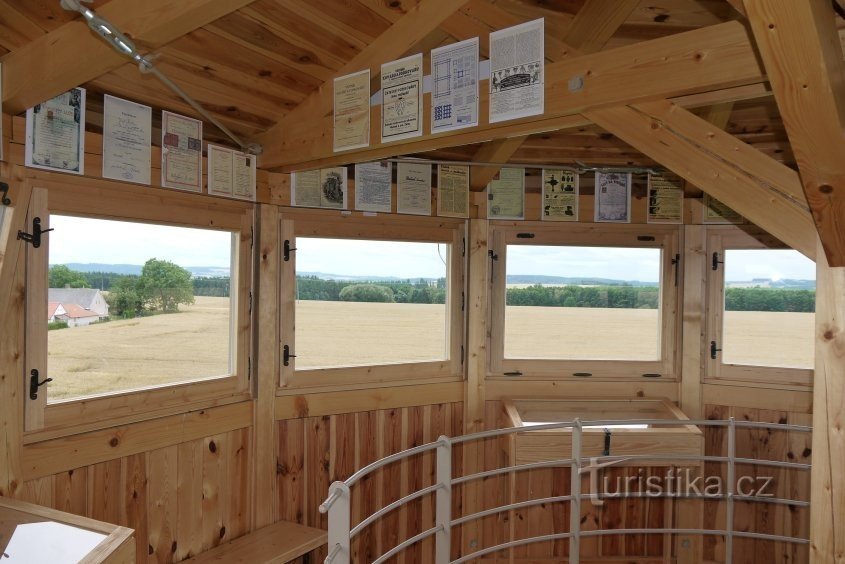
[719,114]
[800,48]
[498,151]
[73,54]
[827,490]
[737,4]
[712,58]
[313,112]
[718,163]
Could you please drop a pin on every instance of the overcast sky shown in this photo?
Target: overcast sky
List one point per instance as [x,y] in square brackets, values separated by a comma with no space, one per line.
[86,240]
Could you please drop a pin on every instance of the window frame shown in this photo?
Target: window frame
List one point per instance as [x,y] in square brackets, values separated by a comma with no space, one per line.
[356,225]
[731,237]
[104,199]
[665,237]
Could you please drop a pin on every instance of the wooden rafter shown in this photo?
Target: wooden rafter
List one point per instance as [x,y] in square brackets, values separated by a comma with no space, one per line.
[800,48]
[712,58]
[758,187]
[73,55]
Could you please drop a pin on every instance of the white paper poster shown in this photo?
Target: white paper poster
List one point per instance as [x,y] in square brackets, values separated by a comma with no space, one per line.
[516,71]
[231,173]
[323,188]
[665,198]
[352,111]
[372,186]
[413,187]
[305,189]
[127,138]
[454,96]
[452,191]
[181,152]
[613,197]
[506,195]
[560,195]
[402,93]
[55,133]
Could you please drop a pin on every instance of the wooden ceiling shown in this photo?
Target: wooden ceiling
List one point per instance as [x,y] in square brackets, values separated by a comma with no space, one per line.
[254,65]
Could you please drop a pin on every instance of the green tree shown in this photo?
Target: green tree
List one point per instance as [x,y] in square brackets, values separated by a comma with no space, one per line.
[60,276]
[164,285]
[366,293]
[123,298]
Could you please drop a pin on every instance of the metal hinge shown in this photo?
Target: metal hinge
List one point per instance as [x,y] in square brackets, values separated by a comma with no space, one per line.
[251,237]
[35,237]
[716,261]
[250,302]
[287,250]
[464,247]
[463,300]
[462,354]
[676,262]
[249,368]
[34,384]
[286,356]
[713,350]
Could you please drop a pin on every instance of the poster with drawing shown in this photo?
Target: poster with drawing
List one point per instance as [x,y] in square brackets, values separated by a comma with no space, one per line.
[613,197]
[516,71]
[560,195]
[402,94]
[665,198]
[454,94]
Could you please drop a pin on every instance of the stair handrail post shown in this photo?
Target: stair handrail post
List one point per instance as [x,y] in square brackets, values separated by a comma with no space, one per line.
[729,520]
[575,493]
[443,501]
[339,524]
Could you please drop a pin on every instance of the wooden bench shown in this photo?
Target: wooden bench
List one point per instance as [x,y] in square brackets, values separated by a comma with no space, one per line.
[274,544]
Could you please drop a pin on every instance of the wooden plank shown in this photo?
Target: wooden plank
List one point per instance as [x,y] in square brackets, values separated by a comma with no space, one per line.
[274,544]
[800,48]
[36,311]
[49,65]
[596,22]
[163,503]
[796,401]
[134,506]
[827,494]
[39,459]
[661,68]
[333,403]
[706,166]
[189,499]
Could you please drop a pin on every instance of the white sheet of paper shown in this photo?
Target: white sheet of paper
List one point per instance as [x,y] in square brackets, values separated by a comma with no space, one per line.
[452,191]
[506,195]
[127,138]
[181,152]
[221,164]
[373,187]
[402,96]
[55,133]
[352,111]
[454,96]
[244,176]
[305,189]
[333,188]
[413,187]
[613,197]
[517,71]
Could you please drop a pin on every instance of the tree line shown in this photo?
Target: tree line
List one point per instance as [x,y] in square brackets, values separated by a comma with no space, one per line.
[407,291]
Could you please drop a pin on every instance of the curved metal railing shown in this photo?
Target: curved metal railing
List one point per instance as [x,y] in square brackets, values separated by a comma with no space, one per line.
[338,502]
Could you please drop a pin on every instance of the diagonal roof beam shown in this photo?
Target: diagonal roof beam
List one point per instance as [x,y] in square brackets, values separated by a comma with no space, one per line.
[800,48]
[73,54]
[406,32]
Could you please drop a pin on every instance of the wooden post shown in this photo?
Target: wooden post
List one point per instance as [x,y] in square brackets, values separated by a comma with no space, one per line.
[827,490]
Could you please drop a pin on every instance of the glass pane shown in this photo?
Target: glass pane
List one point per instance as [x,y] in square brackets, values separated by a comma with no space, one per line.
[770,298]
[598,303]
[364,302]
[132,305]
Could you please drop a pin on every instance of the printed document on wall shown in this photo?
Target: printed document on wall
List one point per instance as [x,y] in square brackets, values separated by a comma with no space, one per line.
[413,187]
[506,195]
[452,191]
[560,195]
[231,173]
[613,197]
[55,133]
[372,186]
[517,71]
[127,135]
[402,93]
[454,95]
[352,111]
[665,198]
[181,152]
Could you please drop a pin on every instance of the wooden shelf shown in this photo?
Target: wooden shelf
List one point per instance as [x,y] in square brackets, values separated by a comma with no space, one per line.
[274,544]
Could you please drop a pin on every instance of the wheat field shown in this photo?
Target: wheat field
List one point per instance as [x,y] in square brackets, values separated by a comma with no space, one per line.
[194,344]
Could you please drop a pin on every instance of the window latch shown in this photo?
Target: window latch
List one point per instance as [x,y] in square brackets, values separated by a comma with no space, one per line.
[716,261]
[35,237]
[676,262]
[287,250]
[607,436]
[34,384]
[5,198]
[713,350]
[286,356]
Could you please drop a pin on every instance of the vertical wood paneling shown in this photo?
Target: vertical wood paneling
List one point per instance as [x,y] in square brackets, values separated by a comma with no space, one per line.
[190,494]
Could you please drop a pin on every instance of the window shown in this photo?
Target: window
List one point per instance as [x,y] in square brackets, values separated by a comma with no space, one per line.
[135,302]
[590,301]
[761,324]
[373,300]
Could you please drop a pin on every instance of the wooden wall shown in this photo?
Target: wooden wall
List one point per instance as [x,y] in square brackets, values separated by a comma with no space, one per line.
[180,499]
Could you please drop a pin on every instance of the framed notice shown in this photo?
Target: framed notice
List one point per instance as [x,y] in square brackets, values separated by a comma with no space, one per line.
[352,111]
[613,197]
[372,186]
[181,152]
[516,71]
[560,195]
[454,94]
[665,198]
[402,94]
[127,138]
[231,173]
[413,188]
[55,133]
[506,195]
[322,188]
[452,191]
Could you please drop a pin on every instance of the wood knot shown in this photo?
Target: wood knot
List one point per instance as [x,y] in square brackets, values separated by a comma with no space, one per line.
[655,125]
[660,18]
[828,335]
[698,56]
[173,547]
[222,532]
[395,4]
[114,442]
[826,189]
[807,452]
[212,446]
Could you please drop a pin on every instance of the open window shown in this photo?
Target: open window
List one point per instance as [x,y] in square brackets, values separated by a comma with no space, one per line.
[372,300]
[584,301]
[135,303]
[761,304]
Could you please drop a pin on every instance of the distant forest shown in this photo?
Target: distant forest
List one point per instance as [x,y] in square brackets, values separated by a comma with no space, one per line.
[215,286]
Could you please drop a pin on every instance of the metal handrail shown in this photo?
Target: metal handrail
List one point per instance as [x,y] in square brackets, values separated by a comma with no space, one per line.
[444,521]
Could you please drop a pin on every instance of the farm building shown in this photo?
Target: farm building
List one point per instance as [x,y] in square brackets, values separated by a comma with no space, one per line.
[422,281]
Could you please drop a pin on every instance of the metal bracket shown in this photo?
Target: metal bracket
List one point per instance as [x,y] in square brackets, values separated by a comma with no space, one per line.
[34,384]
[286,356]
[676,262]
[287,250]
[5,198]
[35,236]
[713,350]
[716,261]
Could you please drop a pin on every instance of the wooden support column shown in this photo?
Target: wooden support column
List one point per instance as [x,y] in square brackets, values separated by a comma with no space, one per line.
[13,308]
[827,490]
[267,368]
[799,45]
[474,399]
